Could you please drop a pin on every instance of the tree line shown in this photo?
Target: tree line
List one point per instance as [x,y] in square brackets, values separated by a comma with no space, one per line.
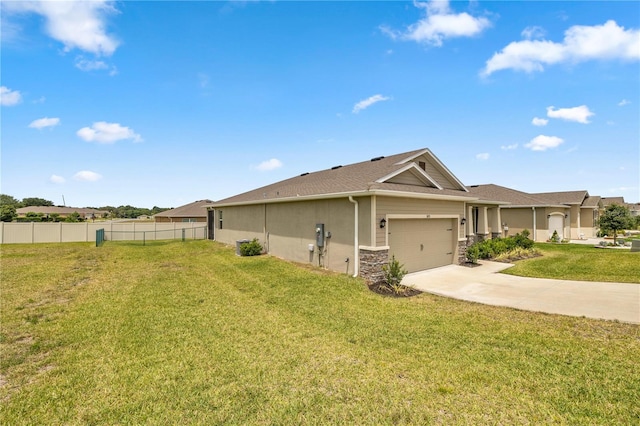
[9,205]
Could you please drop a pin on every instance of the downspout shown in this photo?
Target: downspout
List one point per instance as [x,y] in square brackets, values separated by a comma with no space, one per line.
[534,224]
[356,257]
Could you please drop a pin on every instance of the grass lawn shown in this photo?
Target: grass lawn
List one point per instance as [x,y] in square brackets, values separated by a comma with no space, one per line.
[580,262]
[188,333]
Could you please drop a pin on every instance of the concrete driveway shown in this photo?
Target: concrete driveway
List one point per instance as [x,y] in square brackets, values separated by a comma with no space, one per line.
[484,284]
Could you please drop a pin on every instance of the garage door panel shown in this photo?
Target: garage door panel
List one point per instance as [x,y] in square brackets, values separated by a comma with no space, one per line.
[421,243]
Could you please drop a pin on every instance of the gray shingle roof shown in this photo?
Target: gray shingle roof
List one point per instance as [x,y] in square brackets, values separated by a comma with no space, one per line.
[591,201]
[564,197]
[613,200]
[505,195]
[354,178]
[194,209]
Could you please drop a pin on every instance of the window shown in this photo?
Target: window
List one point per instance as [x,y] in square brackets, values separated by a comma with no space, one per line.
[220,219]
[475,214]
[189,219]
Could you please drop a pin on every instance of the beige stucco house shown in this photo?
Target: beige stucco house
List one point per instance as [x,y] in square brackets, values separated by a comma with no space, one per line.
[572,214]
[353,218]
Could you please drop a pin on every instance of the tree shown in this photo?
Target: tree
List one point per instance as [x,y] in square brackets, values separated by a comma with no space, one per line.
[614,219]
[8,200]
[35,201]
[74,217]
[7,213]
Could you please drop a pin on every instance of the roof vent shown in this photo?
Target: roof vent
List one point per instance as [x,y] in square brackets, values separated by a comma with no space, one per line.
[377,158]
[335,167]
[304,174]
[474,186]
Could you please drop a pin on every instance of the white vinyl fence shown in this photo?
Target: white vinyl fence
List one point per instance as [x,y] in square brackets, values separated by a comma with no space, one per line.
[61,232]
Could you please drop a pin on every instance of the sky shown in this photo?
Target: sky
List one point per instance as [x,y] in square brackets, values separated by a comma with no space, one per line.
[160,103]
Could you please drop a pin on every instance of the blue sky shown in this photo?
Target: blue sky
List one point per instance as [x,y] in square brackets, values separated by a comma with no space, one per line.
[164,103]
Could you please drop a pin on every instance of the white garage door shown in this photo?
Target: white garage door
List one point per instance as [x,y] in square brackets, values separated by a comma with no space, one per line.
[421,243]
[556,223]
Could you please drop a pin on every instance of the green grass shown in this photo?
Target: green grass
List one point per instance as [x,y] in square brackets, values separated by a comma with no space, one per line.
[188,333]
[580,262]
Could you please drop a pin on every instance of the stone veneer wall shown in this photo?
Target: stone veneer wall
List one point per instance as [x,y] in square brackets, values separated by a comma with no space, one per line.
[462,251]
[371,262]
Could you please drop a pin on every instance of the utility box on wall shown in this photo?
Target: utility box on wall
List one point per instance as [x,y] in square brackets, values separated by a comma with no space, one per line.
[320,234]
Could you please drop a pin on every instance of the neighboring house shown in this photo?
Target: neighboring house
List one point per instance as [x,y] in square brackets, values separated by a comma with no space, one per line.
[62,212]
[572,214]
[353,218]
[192,212]
[612,200]
[634,209]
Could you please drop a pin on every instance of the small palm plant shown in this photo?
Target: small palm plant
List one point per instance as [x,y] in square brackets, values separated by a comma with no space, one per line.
[393,273]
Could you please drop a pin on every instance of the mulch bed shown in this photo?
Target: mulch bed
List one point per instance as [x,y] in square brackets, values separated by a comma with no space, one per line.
[384,290]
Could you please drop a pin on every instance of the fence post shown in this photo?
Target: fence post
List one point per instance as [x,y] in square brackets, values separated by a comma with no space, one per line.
[32,232]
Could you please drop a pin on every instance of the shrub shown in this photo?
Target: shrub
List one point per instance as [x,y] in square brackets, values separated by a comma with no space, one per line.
[492,249]
[555,238]
[522,239]
[252,248]
[393,273]
[473,253]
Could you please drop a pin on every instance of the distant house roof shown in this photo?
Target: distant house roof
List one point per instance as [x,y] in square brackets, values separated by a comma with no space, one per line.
[507,196]
[396,174]
[613,200]
[513,198]
[564,197]
[194,209]
[60,210]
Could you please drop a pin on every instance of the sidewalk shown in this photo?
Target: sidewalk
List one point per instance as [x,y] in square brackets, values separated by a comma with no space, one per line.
[484,284]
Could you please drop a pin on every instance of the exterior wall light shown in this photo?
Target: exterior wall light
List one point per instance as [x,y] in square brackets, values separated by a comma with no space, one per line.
[463,221]
[383,222]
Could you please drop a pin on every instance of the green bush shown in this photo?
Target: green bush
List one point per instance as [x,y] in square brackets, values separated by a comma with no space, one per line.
[253,248]
[473,253]
[491,249]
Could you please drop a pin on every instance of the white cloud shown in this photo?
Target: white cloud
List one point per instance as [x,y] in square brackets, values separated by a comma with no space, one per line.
[57,179]
[77,24]
[9,97]
[41,123]
[581,43]
[94,65]
[542,143]
[103,132]
[87,176]
[533,32]
[482,156]
[624,102]
[366,103]
[509,147]
[40,100]
[539,121]
[439,24]
[579,114]
[269,165]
